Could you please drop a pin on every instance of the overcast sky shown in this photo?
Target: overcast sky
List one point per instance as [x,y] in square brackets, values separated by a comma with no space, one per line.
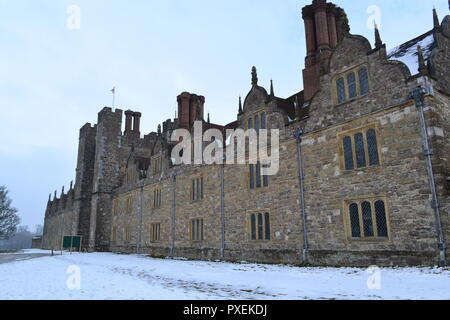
[54,79]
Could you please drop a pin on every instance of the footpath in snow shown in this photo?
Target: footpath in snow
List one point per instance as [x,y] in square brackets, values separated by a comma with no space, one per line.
[111,276]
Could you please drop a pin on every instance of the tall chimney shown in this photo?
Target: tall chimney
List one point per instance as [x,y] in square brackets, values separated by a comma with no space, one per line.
[183,110]
[128,121]
[137,122]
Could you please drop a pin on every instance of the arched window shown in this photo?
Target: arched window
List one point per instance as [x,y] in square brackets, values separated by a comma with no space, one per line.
[373,147]
[359,149]
[380,213]
[257,123]
[363,81]
[340,86]
[354,220]
[348,154]
[367,219]
[351,80]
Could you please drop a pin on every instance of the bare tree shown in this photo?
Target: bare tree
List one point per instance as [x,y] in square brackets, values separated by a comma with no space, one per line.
[9,220]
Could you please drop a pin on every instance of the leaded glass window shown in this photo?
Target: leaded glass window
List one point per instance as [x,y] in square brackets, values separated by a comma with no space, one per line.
[260,226]
[373,147]
[252,176]
[258,175]
[267,226]
[360,152]
[351,80]
[354,220]
[363,81]
[367,219]
[348,154]
[253,226]
[340,86]
[380,213]
[263,121]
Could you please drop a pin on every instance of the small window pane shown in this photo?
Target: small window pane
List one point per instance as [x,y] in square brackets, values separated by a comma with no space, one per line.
[360,153]
[367,219]
[263,121]
[250,123]
[351,79]
[380,212]
[252,176]
[340,86]
[258,175]
[260,227]
[253,226]
[348,154]
[265,177]
[363,81]
[354,220]
[373,147]
[267,225]
[257,123]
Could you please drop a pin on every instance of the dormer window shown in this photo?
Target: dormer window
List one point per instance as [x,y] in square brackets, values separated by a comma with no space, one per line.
[351,85]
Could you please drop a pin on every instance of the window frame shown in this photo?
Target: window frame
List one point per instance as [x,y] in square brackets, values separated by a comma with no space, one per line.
[363,238]
[155,226]
[250,230]
[345,75]
[351,134]
[191,230]
[197,184]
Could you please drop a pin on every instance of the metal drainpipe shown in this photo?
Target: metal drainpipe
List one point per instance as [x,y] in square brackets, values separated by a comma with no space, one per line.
[418,95]
[222,209]
[172,248]
[139,244]
[298,133]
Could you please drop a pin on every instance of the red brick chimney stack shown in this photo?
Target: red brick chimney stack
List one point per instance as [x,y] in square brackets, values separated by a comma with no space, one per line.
[325,26]
[137,122]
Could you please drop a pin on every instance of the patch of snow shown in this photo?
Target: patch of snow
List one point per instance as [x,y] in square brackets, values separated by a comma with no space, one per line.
[108,276]
[407,52]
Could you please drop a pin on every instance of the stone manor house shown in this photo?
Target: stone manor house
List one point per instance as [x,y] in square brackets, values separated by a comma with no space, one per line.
[364,172]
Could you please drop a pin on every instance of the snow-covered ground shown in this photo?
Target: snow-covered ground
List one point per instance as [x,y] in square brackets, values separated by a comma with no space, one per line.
[110,276]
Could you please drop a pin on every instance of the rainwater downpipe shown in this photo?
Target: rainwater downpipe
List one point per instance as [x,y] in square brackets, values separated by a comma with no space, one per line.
[172,247]
[418,95]
[298,133]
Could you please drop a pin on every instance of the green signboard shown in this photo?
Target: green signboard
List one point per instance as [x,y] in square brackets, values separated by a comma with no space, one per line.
[72,242]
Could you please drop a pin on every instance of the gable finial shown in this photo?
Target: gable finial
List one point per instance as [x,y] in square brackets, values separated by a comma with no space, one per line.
[272,92]
[71,185]
[422,66]
[209,120]
[159,129]
[378,42]
[254,76]
[240,105]
[437,25]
